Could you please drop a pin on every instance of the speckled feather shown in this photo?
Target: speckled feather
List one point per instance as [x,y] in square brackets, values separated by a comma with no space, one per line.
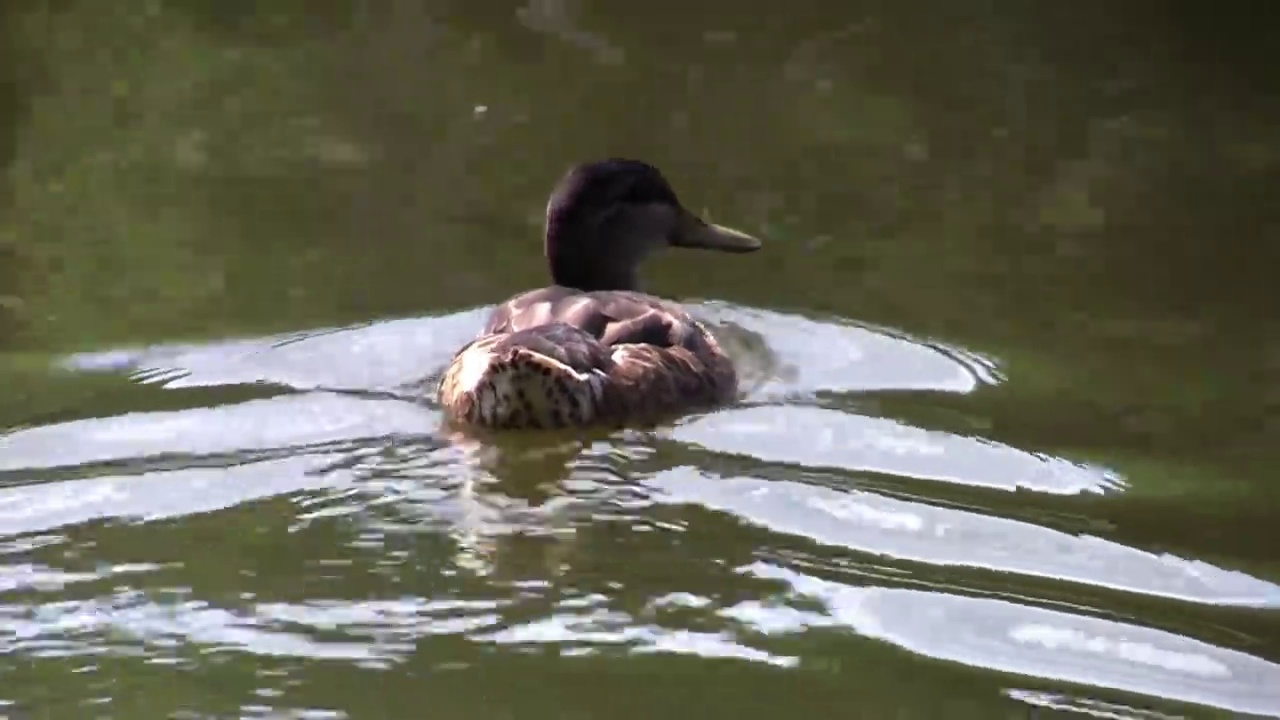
[557,357]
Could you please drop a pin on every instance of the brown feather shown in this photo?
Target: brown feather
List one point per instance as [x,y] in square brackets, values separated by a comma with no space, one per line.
[558,358]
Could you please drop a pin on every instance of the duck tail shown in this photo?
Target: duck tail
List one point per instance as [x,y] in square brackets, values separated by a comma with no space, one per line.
[504,381]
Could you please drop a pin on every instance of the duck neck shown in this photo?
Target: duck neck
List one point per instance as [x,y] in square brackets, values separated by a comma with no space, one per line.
[591,278]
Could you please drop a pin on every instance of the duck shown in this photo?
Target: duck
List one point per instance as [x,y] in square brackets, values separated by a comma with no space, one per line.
[592,348]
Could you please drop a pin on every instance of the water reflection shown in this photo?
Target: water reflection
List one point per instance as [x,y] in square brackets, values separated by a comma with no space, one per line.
[375,356]
[1086,706]
[1018,638]
[290,424]
[906,530]
[857,443]
[780,353]
[522,514]
[887,523]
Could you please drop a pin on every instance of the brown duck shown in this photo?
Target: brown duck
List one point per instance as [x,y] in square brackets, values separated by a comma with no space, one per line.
[591,349]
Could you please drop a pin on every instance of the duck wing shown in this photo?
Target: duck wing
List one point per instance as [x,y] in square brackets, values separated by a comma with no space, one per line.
[561,342]
[612,317]
[557,357]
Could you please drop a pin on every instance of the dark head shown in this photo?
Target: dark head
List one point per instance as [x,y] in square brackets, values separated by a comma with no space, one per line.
[605,217]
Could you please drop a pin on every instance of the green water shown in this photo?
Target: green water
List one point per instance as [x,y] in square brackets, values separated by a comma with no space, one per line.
[1010,360]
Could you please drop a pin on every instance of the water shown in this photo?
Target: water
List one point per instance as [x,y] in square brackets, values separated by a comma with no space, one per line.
[1006,444]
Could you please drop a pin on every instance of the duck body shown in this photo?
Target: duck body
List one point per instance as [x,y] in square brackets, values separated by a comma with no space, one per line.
[596,351]
[557,357]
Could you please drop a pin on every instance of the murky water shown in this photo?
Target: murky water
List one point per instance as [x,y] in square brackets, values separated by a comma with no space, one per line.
[1005,449]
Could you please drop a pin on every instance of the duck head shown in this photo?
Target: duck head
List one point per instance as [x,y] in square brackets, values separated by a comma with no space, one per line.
[604,217]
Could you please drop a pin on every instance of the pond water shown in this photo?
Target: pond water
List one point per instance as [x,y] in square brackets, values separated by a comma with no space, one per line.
[1010,362]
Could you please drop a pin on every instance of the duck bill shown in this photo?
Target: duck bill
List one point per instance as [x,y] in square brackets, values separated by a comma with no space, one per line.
[694,232]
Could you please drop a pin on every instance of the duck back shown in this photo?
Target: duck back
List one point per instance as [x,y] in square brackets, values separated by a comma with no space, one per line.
[556,358]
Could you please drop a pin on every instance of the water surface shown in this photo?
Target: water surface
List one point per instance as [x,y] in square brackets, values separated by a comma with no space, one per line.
[1006,442]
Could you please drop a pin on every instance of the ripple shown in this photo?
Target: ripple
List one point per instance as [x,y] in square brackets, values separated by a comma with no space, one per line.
[1086,706]
[403,620]
[820,438]
[508,536]
[287,421]
[394,483]
[1018,639]
[592,630]
[804,356]
[814,356]
[41,578]
[383,355]
[157,494]
[907,530]
[80,628]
